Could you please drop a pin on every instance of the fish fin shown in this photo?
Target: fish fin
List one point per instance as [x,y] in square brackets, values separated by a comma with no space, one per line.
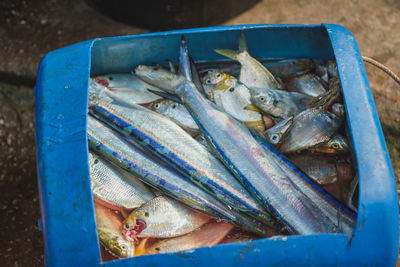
[172,67]
[242,42]
[228,53]
[140,249]
[252,108]
[252,124]
[184,60]
[166,95]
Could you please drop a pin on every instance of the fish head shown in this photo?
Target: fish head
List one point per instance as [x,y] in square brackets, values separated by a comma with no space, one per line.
[153,73]
[227,82]
[280,131]
[212,77]
[338,144]
[164,106]
[115,244]
[338,110]
[114,80]
[267,102]
[134,225]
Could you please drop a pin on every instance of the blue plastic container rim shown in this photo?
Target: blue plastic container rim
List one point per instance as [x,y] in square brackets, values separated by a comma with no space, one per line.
[62,154]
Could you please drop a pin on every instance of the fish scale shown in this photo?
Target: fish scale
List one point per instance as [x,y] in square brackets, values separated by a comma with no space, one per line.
[115,187]
[173,145]
[111,146]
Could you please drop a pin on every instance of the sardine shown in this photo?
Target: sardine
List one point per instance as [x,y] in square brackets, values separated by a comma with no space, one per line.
[279,132]
[310,128]
[278,103]
[251,163]
[172,144]
[308,84]
[342,218]
[337,144]
[177,113]
[158,77]
[162,217]
[323,169]
[109,226]
[114,187]
[252,73]
[129,87]
[111,146]
[208,235]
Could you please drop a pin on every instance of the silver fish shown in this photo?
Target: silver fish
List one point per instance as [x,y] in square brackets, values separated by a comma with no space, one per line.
[323,169]
[342,218]
[306,84]
[172,144]
[252,73]
[310,128]
[111,146]
[129,87]
[177,113]
[109,225]
[332,69]
[337,144]
[208,235]
[115,187]
[158,77]
[162,217]
[251,163]
[278,133]
[278,103]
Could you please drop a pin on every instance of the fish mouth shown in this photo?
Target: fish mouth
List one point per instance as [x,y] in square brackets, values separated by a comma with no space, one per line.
[101,81]
[131,234]
[252,108]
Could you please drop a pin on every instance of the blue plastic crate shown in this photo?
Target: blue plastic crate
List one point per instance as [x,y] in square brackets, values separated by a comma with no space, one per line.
[62,152]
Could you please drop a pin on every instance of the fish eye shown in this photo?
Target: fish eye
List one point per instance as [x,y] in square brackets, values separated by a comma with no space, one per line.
[218,75]
[146,214]
[110,78]
[335,146]
[123,247]
[208,81]
[158,249]
[261,98]
[231,89]
[126,226]
[96,161]
[173,105]
[156,106]
[275,137]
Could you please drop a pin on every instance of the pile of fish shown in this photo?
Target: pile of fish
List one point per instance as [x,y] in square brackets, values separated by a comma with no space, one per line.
[218,152]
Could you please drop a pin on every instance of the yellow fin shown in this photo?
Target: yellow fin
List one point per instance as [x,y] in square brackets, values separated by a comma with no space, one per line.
[253,108]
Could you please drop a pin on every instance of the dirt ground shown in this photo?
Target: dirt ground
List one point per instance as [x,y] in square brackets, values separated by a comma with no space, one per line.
[30,29]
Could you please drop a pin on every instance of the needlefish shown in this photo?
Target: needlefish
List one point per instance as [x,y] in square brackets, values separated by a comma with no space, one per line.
[166,140]
[111,146]
[254,166]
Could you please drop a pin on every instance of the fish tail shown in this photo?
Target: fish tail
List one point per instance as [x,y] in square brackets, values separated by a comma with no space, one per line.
[184,60]
[242,42]
[228,53]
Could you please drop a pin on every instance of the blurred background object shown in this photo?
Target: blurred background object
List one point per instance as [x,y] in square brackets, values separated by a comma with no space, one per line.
[30,29]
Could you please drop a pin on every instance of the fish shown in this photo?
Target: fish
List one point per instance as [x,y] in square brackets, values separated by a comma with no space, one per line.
[278,103]
[308,84]
[109,225]
[332,69]
[337,144]
[115,188]
[323,169]
[252,73]
[177,113]
[128,86]
[237,236]
[111,146]
[338,110]
[252,165]
[162,217]
[284,68]
[208,235]
[170,143]
[209,81]
[233,96]
[278,133]
[311,127]
[342,218]
[158,77]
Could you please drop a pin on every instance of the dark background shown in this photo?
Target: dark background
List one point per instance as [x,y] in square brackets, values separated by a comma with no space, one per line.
[30,29]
